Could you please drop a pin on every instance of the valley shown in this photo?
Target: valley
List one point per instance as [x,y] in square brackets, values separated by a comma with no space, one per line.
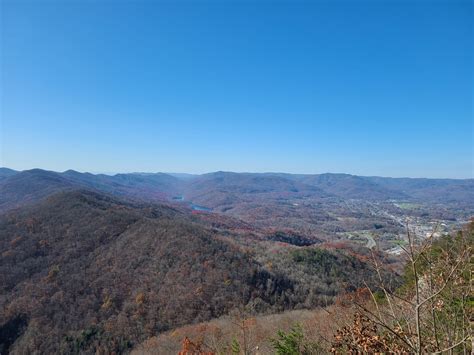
[108,261]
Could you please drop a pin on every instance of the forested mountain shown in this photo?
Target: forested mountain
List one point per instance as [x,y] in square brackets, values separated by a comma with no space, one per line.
[226,189]
[99,262]
[353,187]
[148,187]
[429,313]
[318,207]
[83,271]
[433,190]
[82,262]
[30,186]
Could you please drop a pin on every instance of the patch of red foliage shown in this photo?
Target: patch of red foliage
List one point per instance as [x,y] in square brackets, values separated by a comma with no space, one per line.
[190,348]
[347,248]
[199,212]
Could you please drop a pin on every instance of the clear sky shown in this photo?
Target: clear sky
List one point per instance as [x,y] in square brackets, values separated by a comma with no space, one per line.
[363,87]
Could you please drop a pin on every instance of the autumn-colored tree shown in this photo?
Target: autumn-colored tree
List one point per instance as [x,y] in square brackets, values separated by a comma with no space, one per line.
[193,348]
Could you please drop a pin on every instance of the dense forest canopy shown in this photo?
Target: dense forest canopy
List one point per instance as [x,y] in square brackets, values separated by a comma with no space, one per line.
[86,262]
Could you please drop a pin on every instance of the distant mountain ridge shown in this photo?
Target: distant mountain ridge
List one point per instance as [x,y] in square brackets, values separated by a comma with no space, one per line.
[221,189]
[5,172]
[32,185]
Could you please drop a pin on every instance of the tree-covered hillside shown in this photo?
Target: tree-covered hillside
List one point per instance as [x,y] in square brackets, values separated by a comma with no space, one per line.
[84,271]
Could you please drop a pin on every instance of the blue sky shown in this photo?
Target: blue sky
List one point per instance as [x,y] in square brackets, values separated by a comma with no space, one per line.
[363,87]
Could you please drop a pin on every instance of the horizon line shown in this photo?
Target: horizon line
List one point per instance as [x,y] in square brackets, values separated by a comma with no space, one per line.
[235,172]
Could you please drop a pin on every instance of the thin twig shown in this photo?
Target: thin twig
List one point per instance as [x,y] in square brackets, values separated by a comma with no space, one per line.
[452,346]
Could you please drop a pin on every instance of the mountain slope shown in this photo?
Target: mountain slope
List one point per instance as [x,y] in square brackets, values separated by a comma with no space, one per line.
[222,189]
[83,263]
[5,173]
[148,187]
[433,190]
[352,187]
[83,272]
[30,186]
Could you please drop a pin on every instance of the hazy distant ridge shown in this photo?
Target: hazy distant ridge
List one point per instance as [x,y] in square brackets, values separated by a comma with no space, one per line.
[221,188]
